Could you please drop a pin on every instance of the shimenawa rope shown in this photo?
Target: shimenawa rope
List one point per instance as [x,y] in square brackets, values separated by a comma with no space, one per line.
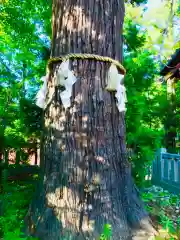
[84,57]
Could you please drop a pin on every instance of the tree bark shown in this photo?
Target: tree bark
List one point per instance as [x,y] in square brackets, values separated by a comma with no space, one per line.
[87,177]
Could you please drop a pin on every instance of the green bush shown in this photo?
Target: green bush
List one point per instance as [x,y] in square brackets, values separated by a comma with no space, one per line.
[165,207]
[15,202]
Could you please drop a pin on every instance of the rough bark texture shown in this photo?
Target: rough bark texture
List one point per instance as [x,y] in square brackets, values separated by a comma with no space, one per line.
[84,147]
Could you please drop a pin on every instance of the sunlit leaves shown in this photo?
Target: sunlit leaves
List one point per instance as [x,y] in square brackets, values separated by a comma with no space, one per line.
[134,13]
[147,99]
[134,38]
[155,20]
[157,14]
[22,63]
[144,113]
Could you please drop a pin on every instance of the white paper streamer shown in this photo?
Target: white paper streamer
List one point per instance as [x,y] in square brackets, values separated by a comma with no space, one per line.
[66,98]
[113,78]
[41,95]
[115,84]
[121,98]
[65,78]
[62,73]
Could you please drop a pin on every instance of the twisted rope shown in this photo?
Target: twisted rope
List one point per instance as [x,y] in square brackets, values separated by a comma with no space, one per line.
[84,57]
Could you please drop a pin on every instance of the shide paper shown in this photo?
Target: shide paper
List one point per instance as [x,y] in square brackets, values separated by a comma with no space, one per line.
[41,95]
[114,84]
[65,78]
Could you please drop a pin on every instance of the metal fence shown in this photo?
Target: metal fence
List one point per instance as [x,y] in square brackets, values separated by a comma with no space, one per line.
[166,171]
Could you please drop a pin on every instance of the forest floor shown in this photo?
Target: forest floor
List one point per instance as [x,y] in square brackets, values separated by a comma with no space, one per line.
[164,209]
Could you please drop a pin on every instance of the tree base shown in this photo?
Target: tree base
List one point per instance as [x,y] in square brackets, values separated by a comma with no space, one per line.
[52,217]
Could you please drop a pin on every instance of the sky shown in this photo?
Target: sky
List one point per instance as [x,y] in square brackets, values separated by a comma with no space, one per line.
[153,4]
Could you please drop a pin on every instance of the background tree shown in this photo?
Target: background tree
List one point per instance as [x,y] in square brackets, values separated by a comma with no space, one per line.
[147,96]
[24,51]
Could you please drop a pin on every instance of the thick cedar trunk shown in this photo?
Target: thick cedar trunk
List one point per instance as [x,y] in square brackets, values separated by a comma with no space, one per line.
[86,144]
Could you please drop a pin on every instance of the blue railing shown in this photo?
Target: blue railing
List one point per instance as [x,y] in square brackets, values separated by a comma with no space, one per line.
[166,171]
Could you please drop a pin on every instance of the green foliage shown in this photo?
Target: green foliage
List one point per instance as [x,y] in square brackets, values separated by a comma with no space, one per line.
[25,32]
[144,121]
[16,199]
[165,207]
[147,107]
[14,134]
[107,232]
[31,117]
[132,36]
[137,1]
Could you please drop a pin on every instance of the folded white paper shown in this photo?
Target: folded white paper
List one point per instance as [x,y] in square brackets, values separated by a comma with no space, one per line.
[41,95]
[113,78]
[65,78]
[114,83]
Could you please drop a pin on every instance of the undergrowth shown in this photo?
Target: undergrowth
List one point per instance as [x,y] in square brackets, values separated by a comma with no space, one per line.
[164,209]
[15,201]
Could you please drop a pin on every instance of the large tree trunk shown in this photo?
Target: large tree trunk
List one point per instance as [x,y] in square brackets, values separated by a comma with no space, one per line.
[86,144]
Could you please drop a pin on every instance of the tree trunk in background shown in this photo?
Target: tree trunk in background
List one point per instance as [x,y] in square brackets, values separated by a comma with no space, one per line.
[6,158]
[171,120]
[35,154]
[86,144]
[18,156]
